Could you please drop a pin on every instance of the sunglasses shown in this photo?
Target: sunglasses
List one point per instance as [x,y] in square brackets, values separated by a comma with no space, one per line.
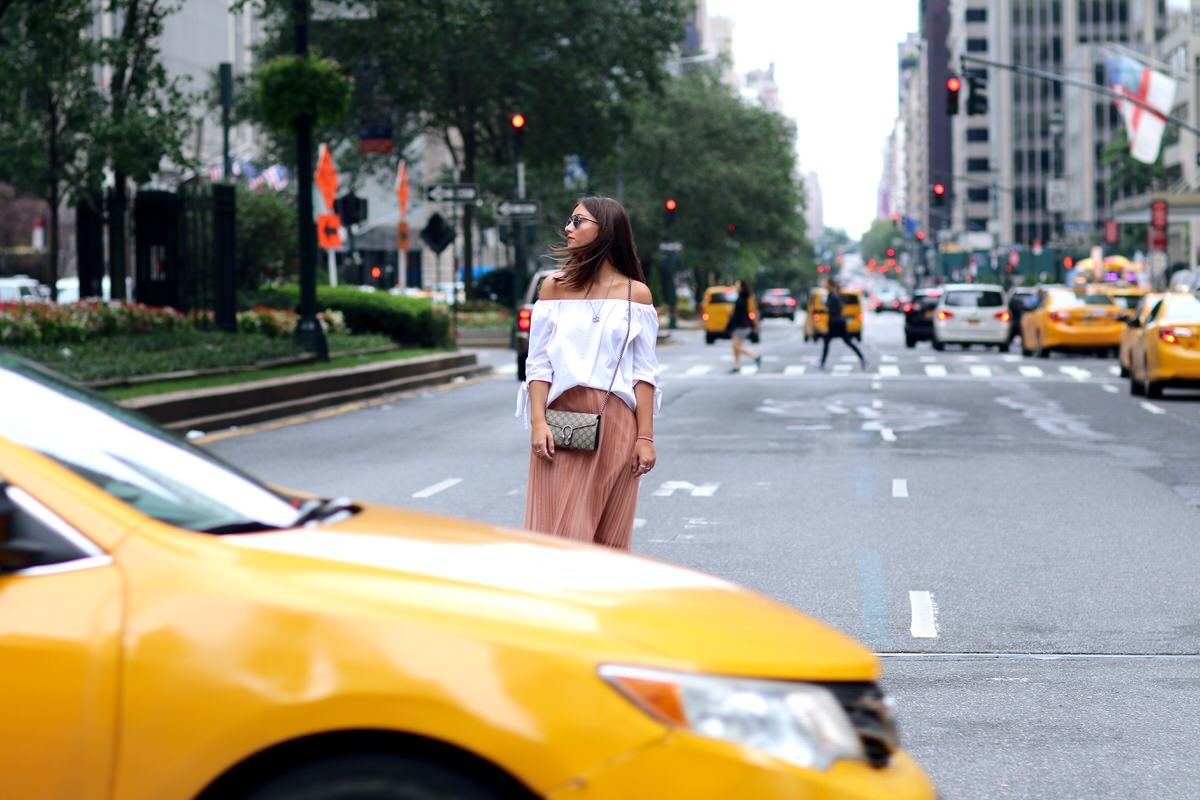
[575,220]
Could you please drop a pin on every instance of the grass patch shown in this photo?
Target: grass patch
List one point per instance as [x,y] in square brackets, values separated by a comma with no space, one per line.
[207,381]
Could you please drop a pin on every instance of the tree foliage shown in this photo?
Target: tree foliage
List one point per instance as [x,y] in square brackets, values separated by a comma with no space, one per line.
[292,87]
[878,238]
[267,238]
[1128,173]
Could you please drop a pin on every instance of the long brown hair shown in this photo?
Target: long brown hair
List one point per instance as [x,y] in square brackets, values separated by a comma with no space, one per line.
[613,242]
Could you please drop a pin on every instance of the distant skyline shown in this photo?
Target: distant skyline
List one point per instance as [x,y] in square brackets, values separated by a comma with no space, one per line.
[835,64]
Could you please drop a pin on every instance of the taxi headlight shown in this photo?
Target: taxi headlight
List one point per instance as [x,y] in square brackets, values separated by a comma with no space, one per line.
[798,722]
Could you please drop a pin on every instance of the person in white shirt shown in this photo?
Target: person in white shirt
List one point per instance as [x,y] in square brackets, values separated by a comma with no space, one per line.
[585,314]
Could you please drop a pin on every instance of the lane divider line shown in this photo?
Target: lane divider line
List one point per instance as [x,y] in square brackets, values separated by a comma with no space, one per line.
[924,615]
[1153,409]
[1108,387]
[888,434]
[440,486]
[899,487]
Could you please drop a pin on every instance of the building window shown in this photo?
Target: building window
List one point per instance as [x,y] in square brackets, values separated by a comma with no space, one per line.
[977,134]
[976,15]
[1019,233]
[976,224]
[1056,12]
[1122,11]
[976,45]
[981,195]
[1045,160]
[1019,162]
[977,165]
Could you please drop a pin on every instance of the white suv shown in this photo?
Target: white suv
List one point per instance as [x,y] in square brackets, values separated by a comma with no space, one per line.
[23,288]
[971,313]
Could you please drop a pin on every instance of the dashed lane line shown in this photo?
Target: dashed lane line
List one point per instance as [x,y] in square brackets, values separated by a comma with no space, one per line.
[1153,409]
[887,434]
[899,487]
[440,486]
[924,615]
[935,370]
[1031,372]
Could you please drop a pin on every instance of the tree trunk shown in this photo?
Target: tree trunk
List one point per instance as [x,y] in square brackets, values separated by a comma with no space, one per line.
[118,260]
[52,261]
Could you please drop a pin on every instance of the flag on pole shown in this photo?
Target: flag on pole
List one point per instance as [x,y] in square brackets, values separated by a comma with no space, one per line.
[402,188]
[1144,127]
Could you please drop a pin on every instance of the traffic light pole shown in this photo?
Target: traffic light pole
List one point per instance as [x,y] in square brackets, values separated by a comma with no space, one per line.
[1091,87]
[308,331]
[518,229]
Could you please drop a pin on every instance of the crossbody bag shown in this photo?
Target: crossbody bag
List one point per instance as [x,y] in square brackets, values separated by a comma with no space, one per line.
[578,430]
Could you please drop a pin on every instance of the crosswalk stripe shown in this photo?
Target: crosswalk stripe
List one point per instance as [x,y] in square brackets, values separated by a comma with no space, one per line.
[794,369]
[1031,372]
[935,370]
[890,370]
[1078,373]
[981,371]
[699,369]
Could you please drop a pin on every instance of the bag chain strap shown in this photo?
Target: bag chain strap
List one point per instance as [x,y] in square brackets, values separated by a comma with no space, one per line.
[628,328]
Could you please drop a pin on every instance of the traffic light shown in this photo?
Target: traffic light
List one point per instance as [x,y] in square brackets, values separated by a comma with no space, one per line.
[732,229]
[938,190]
[891,252]
[671,205]
[920,236]
[351,208]
[953,85]
[517,122]
[976,95]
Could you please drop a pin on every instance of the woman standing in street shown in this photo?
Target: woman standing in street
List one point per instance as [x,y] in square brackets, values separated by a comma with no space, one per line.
[594,326]
[741,325]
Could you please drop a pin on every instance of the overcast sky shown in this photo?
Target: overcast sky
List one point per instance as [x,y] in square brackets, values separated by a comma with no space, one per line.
[835,63]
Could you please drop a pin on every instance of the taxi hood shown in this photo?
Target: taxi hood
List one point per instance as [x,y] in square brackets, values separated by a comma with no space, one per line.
[671,612]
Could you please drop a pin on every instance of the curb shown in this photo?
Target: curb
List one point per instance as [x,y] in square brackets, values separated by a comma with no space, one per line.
[274,398]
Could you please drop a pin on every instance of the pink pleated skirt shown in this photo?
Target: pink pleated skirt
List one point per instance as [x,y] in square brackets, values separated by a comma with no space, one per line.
[588,496]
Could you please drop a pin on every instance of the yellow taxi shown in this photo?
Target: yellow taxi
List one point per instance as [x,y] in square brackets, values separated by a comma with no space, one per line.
[816,320]
[170,627]
[1122,294]
[1134,323]
[1166,349]
[716,309]
[1064,319]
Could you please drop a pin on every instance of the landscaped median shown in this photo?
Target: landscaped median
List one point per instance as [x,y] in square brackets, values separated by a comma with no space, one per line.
[177,370]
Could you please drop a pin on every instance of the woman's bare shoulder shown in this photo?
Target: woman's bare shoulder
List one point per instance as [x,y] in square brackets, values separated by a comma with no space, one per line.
[553,287]
[641,293]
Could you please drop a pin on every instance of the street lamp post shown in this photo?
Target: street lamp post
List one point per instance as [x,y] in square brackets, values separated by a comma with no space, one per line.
[1056,127]
[308,331]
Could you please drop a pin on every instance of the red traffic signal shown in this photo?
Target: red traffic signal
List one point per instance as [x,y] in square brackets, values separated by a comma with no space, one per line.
[376,273]
[671,205]
[953,83]
[517,121]
[891,251]
[939,189]
[732,228]
[920,236]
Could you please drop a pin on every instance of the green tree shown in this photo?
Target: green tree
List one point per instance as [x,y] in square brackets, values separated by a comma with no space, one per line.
[1128,174]
[878,238]
[267,239]
[726,163]
[147,119]
[51,102]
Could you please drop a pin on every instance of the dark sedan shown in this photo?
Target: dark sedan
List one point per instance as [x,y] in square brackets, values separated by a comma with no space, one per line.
[918,316]
[778,303]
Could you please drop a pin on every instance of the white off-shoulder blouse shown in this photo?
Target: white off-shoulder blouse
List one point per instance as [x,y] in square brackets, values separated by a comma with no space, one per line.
[567,349]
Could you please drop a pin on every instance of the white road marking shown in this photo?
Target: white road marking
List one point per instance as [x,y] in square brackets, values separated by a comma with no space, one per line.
[888,434]
[514,492]
[507,369]
[876,385]
[935,370]
[980,371]
[868,413]
[928,359]
[698,370]
[749,369]
[889,370]
[1114,371]
[810,427]
[1011,358]
[440,486]
[924,615]
[663,367]
[888,359]
[836,409]
[1108,387]
[1153,409]
[969,359]
[668,488]
[1078,373]
[876,404]
[1031,372]
[794,369]
[638,522]
[899,487]
[851,359]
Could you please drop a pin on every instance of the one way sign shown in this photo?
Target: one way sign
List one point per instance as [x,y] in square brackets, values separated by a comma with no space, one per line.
[517,208]
[453,193]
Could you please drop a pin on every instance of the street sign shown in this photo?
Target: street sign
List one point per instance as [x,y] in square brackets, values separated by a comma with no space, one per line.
[1158,214]
[453,193]
[518,208]
[1111,234]
[402,234]
[437,233]
[670,247]
[329,232]
[1057,195]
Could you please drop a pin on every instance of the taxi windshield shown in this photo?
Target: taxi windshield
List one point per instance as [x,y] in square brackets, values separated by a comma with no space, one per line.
[130,458]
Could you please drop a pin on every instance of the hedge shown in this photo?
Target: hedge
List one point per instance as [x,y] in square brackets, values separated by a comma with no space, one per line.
[407,320]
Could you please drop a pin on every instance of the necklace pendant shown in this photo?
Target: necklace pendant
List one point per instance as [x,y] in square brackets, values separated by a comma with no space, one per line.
[595,317]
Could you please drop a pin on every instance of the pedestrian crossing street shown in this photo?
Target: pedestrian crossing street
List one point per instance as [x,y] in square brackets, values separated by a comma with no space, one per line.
[948,367]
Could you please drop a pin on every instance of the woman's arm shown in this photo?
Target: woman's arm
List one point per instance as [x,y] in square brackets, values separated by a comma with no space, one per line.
[541,439]
[644,454]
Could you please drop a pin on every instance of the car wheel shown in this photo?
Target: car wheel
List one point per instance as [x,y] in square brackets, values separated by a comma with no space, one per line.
[1003,348]
[373,777]
[938,344]
[910,342]
[791,317]
[1151,388]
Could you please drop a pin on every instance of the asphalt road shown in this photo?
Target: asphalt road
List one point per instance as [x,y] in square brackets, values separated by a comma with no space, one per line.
[1017,538]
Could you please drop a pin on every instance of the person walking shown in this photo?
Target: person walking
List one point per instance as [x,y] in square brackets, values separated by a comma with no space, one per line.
[591,349]
[740,327]
[835,310]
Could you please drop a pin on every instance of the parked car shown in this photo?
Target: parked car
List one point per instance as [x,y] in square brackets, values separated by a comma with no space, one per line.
[1166,350]
[971,313]
[816,321]
[22,288]
[171,627]
[1064,319]
[918,316]
[778,303]
[716,310]
[525,317]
